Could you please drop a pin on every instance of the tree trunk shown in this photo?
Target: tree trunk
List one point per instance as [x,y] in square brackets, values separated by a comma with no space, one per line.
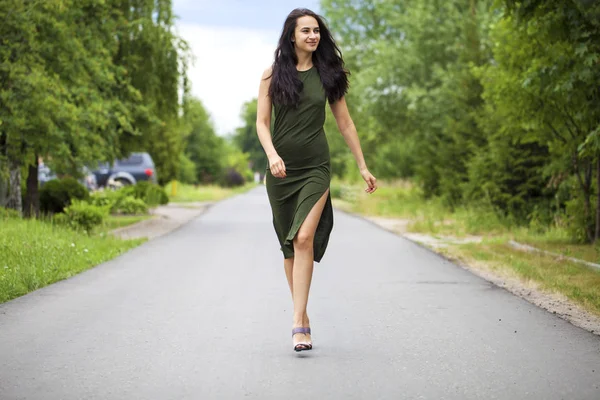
[3,189]
[3,170]
[586,190]
[597,235]
[588,201]
[14,191]
[32,196]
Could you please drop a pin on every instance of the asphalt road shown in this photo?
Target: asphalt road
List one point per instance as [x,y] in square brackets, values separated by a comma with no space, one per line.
[205,313]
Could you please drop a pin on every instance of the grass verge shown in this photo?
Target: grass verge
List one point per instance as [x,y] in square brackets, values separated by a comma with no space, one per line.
[120,221]
[579,283]
[401,200]
[190,193]
[34,254]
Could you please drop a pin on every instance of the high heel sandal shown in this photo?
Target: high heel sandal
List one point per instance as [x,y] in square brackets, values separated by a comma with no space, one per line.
[301,346]
[310,340]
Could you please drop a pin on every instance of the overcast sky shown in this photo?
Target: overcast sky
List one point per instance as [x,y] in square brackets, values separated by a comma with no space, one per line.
[233,42]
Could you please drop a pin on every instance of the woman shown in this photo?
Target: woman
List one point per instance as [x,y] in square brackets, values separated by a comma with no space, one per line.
[307,72]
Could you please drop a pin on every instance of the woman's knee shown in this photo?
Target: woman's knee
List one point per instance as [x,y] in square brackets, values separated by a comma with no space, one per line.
[303,241]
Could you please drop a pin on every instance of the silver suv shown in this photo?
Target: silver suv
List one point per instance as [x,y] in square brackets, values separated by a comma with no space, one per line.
[128,171]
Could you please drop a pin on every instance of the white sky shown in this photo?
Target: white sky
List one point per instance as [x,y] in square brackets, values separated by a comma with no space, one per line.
[233,41]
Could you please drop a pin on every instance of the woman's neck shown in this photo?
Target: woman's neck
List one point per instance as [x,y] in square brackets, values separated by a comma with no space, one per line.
[304,61]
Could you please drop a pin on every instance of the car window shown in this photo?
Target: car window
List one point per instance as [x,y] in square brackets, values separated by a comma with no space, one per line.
[134,159]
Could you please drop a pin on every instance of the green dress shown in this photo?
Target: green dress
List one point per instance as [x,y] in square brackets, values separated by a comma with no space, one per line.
[299,139]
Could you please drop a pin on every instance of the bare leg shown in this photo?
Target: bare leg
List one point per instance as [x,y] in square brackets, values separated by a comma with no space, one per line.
[288,264]
[302,269]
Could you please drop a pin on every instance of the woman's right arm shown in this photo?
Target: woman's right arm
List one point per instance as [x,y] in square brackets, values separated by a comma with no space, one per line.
[263,126]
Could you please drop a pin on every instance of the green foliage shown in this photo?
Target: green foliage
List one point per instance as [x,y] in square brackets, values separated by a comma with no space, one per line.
[246,137]
[86,81]
[131,200]
[237,171]
[202,145]
[187,170]
[151,194]
[129,205]
[155,60]
[57,194]
[578,223]
[483,103]
[106,198]
[85,216]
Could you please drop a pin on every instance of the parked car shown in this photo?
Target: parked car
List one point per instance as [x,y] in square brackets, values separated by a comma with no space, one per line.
[88,178]
[128,171]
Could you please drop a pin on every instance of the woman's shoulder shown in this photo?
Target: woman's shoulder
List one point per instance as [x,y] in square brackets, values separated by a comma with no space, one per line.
[268,72]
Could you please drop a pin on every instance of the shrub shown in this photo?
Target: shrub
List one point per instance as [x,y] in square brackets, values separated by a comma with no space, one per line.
[335,190]
[187,170]
[108,199]
[57,194]
[232,178]
[82,215]
[131,206]
[152,194]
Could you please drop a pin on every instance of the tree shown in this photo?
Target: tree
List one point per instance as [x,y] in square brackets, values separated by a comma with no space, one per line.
[86,81]
[155,60]
[246,137]
[547,83]
[202,145]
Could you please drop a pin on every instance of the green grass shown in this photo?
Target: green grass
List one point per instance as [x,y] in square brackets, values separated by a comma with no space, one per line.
[189,193]
[579,283]
[558,241]
[34,254]
[403,200]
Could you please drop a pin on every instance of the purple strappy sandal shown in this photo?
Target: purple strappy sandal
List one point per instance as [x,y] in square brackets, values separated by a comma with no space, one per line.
[300,346]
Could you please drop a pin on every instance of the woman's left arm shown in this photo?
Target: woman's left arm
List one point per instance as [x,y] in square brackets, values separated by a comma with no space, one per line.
[348,131]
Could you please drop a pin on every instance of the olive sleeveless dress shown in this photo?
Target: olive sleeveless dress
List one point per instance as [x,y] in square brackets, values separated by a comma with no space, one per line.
[299,139]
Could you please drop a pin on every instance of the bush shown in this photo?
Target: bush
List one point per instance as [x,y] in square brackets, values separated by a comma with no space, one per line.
[131,206]
[82,215]
[232,178]
[187,170]
[151,194]
[335,190]
[109,199]
[57,194]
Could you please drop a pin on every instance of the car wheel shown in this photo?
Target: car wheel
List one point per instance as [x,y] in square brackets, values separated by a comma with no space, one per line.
[123,182]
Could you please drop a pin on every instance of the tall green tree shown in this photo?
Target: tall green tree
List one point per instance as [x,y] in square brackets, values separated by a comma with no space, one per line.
[58,80]
[86,81]
[155,60]
[545,82]
[416,100]
[202,145]
[246,138]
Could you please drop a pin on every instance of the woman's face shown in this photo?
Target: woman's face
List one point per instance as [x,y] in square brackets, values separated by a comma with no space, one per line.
[307,34]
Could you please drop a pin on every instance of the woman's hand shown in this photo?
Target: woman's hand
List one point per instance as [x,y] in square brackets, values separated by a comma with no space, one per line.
[277,167]
[370,179]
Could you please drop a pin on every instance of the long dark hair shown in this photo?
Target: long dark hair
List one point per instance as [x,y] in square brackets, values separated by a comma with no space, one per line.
[327,58]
